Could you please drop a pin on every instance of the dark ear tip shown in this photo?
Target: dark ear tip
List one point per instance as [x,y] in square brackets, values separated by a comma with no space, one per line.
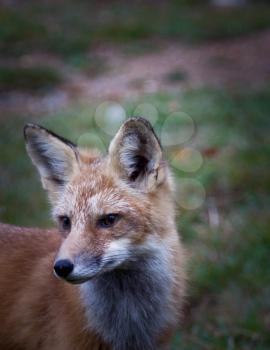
[141,120]
[36,129]
[28,128]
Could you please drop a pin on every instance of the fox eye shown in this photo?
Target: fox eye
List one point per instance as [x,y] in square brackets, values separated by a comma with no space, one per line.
[109,220]
[64,223]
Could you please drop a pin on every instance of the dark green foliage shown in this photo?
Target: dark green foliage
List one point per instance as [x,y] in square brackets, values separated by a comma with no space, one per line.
[28,78]
[72,27]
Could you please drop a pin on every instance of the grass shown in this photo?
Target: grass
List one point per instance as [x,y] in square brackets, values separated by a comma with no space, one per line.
[28,78]
[227,237]
[71,30]
[78,25]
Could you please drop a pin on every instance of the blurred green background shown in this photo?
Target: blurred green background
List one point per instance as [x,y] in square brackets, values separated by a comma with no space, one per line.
[61,60]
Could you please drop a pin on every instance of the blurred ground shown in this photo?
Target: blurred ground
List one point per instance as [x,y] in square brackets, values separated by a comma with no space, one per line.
[172,66]
[60,59]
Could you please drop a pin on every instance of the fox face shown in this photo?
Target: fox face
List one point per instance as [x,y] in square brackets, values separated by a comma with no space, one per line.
[112,211]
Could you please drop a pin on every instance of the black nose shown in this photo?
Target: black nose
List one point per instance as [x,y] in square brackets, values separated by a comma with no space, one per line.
[63,268]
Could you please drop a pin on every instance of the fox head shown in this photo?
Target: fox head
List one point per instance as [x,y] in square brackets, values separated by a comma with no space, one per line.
[111,210]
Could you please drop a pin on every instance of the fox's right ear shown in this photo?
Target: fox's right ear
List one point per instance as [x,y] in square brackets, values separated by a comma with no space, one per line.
[54,157]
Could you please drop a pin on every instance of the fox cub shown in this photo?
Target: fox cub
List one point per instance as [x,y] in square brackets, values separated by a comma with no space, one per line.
[116,254]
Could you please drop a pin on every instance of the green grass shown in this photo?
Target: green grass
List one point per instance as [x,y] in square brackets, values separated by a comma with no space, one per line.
[228,305]
[70,28]
[28,78]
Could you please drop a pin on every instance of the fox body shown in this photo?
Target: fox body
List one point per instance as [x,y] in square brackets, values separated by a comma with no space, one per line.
[116,247]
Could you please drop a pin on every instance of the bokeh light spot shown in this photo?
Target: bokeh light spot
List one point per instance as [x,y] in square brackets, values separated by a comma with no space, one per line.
[148,111]
[186,159]
[178,128]
[190,193]
[109,117]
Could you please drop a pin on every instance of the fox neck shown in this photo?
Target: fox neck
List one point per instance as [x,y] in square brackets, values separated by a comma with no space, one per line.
[129,308]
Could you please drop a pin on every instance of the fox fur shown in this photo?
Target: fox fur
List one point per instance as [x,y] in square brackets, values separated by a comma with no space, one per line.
[127,286]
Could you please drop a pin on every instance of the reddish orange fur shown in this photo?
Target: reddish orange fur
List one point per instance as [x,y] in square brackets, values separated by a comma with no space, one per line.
[38,311]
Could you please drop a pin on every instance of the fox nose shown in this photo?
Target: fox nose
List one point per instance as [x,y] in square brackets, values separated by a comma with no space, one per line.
[63,268]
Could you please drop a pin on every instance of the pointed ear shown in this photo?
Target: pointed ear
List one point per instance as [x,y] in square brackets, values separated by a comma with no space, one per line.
[136,156]
[54,157]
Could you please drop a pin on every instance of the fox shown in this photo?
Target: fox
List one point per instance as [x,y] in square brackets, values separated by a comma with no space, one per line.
[111,275]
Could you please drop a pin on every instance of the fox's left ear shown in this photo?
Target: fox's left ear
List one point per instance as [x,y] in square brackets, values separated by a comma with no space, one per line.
[136,156]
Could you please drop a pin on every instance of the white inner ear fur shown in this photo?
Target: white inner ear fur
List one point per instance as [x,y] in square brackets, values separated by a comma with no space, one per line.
[136,155]
[55,160]
[60,158]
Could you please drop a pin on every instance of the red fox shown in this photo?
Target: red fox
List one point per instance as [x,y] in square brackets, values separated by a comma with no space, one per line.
[116,254]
